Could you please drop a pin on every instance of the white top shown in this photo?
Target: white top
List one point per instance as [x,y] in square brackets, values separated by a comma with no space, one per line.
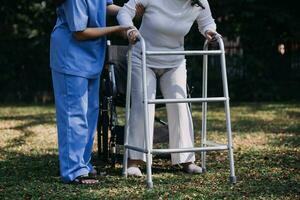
[164,25]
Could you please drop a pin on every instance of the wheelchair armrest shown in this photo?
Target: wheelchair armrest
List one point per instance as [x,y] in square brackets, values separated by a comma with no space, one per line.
[112,79]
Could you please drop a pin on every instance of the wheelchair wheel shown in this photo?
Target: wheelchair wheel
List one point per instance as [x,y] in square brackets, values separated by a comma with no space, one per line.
[105,129]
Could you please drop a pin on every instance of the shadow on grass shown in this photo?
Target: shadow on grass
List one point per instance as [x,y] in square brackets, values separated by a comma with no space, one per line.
[287,133]
[260,174]
[248,125]
[282,118]
[293,115]
[255,107]
[270,173]
[18,166]
[47,117]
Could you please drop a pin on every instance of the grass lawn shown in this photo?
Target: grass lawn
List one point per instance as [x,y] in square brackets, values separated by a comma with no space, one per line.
[267,158]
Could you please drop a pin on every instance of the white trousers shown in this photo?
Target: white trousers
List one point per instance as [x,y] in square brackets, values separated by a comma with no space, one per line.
[172,85]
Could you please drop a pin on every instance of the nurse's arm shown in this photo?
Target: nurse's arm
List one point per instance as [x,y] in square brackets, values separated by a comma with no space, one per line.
[112,10]
[93,33]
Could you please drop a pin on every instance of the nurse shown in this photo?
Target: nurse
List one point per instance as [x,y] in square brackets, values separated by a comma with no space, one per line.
[77,52]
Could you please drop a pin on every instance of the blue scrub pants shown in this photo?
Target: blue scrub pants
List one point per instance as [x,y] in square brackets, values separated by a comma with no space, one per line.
[77,108]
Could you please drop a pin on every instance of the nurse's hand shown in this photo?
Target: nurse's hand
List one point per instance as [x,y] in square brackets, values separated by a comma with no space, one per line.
[132,35]
[93,33]
[123,30]
[139,10]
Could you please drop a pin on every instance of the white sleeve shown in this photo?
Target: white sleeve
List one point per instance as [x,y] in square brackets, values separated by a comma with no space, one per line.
[127,12]
[204,20]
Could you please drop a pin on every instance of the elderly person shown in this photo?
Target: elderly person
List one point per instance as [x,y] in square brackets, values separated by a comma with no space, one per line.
[164,25]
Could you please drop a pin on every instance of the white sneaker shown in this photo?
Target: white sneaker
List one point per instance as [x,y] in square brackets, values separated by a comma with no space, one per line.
[192,169]
[134,171]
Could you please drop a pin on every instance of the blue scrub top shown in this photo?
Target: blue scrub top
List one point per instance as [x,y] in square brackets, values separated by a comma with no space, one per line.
[79,58]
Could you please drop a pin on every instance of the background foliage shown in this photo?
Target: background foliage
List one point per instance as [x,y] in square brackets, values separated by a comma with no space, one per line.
[256,70]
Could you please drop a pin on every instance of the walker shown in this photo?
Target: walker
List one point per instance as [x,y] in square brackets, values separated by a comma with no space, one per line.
[205,144]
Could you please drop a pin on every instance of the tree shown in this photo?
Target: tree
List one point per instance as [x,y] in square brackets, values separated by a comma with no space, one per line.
[260,25]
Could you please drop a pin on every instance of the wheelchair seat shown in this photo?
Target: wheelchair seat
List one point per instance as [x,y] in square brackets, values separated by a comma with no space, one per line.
[116,69]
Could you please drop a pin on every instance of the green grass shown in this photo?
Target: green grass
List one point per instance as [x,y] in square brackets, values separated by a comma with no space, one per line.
[267,158]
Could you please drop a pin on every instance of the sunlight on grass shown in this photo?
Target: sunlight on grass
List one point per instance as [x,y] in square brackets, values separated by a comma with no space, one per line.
[267,157]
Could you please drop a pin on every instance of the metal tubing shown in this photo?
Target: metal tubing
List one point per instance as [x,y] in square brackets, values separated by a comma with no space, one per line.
[204,107]
[186,100]
[227,111]
[113,78]
[188,53]
[183,150]
[128,93]
[213,146]
[146,122]
[136,148]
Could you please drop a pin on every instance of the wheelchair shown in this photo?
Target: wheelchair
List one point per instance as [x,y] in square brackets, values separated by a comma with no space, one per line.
[110,133]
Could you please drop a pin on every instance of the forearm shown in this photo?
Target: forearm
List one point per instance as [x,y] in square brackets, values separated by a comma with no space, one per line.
[93,33]
[112,10]
[205,20]
[127,13]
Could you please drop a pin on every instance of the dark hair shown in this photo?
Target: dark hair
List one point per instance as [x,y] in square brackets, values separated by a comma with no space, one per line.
[197,3]
[58,2]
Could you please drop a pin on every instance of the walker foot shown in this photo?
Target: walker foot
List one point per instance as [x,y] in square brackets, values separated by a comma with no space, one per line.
[150,185]
[232,179]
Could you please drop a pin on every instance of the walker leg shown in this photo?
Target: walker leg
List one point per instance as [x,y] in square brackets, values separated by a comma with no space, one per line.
[128,93]
[125,162]
[149,170]
[204,110]
[232,177]
[146,117]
